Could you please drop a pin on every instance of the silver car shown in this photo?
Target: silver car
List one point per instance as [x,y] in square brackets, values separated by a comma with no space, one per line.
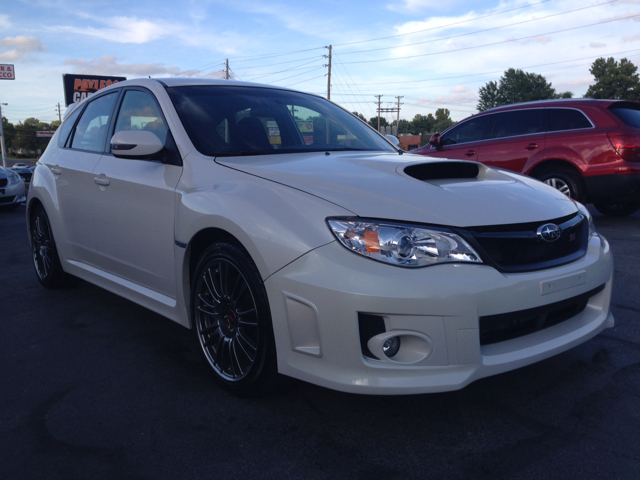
[12,191]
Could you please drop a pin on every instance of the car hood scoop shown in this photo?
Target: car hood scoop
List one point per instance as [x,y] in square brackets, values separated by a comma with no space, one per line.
[411,188]
[443,170]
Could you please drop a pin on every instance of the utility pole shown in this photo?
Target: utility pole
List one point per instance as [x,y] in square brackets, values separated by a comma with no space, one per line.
[378,97]
[3,144]
[329,72]
[398,121]
[227,71]
[59,114]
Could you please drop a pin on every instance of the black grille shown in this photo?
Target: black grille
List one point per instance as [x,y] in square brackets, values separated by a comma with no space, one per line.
[7,199]
[369,326]
[507,326]
[518,248]
[3,182]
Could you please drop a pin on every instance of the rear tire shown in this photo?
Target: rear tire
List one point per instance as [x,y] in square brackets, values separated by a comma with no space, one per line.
[565,181]
[232,320]
[45,254]
[617,209]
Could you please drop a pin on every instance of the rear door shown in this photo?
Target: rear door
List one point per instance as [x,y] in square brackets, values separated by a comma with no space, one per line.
[135,202]
[514,137]
[82,138]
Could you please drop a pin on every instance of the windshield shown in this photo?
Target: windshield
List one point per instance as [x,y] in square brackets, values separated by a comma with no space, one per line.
[233,120]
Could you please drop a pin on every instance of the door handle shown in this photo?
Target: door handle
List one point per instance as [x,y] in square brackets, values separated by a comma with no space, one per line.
[101,181]
[531,146]
[56,171]
[470,153]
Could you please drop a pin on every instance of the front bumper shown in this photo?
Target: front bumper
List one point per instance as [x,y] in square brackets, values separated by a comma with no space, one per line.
[316,302]
[12,194]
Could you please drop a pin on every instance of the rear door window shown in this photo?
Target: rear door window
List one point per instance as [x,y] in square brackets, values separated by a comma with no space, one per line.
[91,132]
[566,119]
[517,122]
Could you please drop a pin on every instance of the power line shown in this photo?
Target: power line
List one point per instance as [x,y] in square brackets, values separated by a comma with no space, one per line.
[303,81]
[479,31]
[496,43]
[442,26]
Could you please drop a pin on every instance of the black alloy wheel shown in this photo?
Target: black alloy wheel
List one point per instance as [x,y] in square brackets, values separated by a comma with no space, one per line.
[45,255]
[232,321]
[618,208]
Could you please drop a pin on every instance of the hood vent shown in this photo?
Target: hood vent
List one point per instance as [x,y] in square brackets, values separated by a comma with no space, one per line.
[442,170]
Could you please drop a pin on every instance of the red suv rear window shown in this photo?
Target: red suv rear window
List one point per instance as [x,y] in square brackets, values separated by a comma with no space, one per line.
[629,114]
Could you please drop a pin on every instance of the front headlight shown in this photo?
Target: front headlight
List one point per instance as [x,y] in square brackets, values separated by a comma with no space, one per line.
[592,226]
[401,244]
[13,178]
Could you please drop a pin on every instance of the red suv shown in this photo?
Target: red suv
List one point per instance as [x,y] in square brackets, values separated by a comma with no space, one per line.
[587,149]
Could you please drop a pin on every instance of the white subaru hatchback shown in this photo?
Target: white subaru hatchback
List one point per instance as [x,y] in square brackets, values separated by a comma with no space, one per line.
[293,239]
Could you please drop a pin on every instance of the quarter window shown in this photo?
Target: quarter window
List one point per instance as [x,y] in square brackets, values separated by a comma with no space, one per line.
[566,119]
[66,127]
[91,131]
[139,111]
[518,122]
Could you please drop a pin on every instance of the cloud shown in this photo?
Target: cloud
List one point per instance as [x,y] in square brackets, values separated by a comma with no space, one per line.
[631,15]
[14,48]
[575,83]
[112,65]
[123,29]
[597,44]
[412,6]
[631,38]
[4,21]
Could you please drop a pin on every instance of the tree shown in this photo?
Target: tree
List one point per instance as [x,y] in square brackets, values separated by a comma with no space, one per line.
[9,132]
[614,80]
[442,120]
[360,116]
[373,121]
[516,86]
[422,124]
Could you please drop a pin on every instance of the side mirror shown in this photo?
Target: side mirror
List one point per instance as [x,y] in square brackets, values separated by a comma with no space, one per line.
[393,139]
[435,141]
[135,143]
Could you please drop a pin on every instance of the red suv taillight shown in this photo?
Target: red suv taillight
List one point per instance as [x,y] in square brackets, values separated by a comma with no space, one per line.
[627,146]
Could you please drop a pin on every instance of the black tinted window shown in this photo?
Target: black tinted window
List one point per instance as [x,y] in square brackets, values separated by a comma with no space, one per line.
[518,122]
[92,127]
[629,115]
[65,128]
[566,119]
[470,131]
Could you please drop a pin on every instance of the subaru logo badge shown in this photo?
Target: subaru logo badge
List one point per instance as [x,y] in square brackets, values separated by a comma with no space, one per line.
[549,232]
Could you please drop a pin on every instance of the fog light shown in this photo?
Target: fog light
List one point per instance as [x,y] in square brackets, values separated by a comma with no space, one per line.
[391,346]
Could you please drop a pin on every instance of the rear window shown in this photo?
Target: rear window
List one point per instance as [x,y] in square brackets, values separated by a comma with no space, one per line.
[567,119]
[629,114]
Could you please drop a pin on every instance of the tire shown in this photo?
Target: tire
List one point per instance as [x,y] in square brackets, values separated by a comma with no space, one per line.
[45,254]
[232,321]
[565,181]
[617,209]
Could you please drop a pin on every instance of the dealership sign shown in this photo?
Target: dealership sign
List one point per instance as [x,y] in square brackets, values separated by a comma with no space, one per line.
[79,87]
[7,72]
[45,133]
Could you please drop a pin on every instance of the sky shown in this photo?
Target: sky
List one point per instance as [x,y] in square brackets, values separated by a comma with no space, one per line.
[432,53]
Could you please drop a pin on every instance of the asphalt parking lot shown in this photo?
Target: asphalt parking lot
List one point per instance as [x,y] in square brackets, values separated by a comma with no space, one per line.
[94,386]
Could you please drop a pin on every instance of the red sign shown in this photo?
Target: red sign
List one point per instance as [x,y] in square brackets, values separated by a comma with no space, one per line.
[7,72]
[45,133]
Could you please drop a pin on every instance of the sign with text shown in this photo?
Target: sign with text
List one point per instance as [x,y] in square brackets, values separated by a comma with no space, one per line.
[78,87]
[45,133]
[7,72]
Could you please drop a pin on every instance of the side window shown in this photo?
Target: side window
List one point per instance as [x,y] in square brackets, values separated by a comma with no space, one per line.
[91,131]
[518,122]
[139,111]
[566,119]
[65,128]
[469,131]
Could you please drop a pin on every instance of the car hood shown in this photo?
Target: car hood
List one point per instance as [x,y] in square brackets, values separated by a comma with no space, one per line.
[377,186]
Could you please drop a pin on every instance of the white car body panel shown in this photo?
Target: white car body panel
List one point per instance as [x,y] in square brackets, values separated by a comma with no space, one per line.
[134,231]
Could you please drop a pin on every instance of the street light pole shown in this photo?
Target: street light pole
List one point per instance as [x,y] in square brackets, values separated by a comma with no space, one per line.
[2,142]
